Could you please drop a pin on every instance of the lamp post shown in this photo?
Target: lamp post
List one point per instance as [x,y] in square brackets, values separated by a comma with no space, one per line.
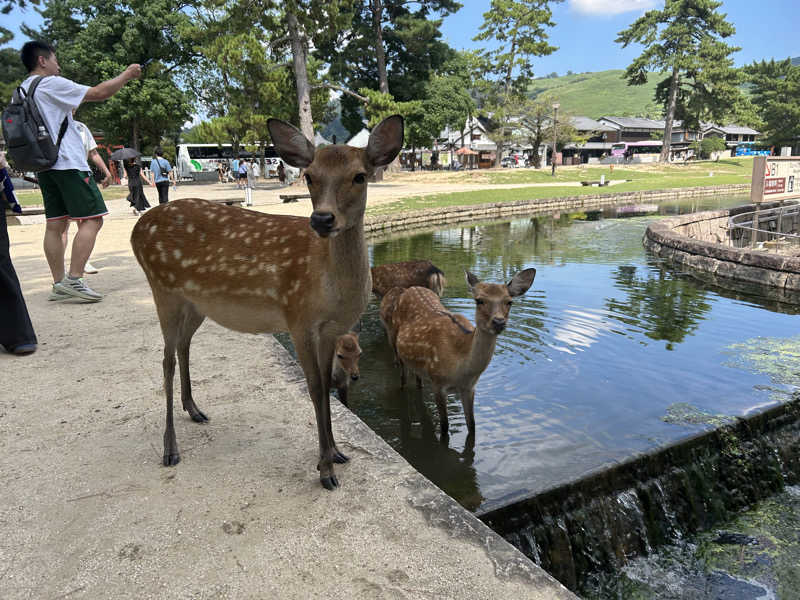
[555,136]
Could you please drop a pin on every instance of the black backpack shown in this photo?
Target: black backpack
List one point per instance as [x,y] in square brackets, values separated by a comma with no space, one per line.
[28,142]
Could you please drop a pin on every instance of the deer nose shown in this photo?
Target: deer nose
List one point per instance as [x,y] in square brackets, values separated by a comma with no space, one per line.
[354,376]
[322,222]
[498,324]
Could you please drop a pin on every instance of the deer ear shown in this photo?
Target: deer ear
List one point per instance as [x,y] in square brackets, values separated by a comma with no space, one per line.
[472,281]
[521,282]
[385,141]
[292,146]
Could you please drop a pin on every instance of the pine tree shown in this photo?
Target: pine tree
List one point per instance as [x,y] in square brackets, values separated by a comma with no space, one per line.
[684,39]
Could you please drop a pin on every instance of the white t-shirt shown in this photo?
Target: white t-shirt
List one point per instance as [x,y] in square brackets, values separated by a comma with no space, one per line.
[86,137]
[56,97]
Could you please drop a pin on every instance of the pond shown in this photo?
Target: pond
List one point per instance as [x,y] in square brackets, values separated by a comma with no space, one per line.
[611,352]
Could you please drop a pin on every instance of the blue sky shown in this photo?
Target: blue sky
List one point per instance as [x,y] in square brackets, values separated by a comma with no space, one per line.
[585,31]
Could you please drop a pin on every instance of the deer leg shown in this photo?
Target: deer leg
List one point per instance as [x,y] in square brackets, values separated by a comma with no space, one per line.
[191,321]
[169,310]
[468,404]
[321,400]
[325,359]
[342,393]
[441,406]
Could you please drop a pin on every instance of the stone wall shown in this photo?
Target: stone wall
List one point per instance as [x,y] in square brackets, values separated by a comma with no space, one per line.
[699,241]
[383,224]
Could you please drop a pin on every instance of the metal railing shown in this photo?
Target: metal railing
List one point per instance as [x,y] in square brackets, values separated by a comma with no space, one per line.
[773,229]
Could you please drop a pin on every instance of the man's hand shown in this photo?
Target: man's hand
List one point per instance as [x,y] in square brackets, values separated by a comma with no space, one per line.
[106,180]
[133,71]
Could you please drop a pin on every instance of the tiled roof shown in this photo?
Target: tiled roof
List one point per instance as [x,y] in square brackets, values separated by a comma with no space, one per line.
[587,124]
[635,122]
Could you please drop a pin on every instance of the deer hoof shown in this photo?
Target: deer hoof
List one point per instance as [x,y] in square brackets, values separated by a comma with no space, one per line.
[170,460]
[329,483]
[199,417]
[340,458]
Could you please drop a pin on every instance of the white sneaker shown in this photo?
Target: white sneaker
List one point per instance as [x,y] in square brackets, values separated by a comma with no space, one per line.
[76,288]
[90,268]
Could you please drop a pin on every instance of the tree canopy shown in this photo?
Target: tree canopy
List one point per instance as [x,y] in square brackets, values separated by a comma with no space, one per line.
[684,39]
[775,89]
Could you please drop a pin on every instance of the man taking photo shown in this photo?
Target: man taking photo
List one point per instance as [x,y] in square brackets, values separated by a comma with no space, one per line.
[68,188]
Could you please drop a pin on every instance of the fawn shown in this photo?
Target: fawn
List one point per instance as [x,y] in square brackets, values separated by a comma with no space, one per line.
[446,347]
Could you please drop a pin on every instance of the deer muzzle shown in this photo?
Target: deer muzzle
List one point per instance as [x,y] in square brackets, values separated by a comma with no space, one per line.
[323,223]
[498,324]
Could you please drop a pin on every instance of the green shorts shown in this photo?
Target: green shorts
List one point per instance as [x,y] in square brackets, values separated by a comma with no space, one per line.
[70,194]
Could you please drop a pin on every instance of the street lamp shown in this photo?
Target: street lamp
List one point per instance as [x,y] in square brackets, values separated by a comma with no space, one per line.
[555,136]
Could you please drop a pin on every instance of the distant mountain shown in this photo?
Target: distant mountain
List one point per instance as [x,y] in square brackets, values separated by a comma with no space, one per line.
[603,93]
[796,60]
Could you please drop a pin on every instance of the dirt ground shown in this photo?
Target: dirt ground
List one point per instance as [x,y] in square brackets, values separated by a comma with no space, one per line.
[88,511]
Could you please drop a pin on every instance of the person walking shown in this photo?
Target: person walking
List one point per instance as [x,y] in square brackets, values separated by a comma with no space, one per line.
[68,188]
[235,171]
[256,172]
[136,196]
[241,176]
[162,174]
[16,330]
[250,183]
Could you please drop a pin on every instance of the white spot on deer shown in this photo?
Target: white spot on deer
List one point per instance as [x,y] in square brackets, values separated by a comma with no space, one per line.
[287,263]
[190,228]
[191,285]
[171,276]
[271,293]
[223,218]
[153,228]
[153,258]
[164,258]
[159,246]
[176,253]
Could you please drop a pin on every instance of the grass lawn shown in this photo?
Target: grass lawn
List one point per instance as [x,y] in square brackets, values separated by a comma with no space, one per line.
[639,178]
[34,197]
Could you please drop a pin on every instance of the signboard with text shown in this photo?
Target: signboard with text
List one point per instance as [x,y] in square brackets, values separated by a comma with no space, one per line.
[775,178]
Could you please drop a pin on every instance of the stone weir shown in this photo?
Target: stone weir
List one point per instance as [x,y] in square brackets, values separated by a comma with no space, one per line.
[599,522]
[700,241]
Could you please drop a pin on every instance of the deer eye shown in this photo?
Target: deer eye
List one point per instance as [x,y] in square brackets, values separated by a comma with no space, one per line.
[340,357]
[509,303]
[308,179]
[359,179]
[479,302]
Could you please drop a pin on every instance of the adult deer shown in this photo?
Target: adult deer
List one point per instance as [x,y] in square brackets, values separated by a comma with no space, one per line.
[260,273]
[345,364]
[406,274]
[445,346]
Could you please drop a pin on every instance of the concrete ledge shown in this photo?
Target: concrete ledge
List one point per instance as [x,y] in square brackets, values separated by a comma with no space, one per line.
[680,239]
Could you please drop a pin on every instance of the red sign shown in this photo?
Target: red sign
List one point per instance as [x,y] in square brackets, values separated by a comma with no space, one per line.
[775,186]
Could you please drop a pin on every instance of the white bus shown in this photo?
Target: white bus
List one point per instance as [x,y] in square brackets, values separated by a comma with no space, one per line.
[199,161]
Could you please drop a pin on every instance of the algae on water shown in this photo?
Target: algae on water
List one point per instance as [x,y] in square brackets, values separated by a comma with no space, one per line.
[777,358]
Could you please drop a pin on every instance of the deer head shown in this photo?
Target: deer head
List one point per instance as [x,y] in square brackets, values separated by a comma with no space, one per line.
[493,300]
[337,175]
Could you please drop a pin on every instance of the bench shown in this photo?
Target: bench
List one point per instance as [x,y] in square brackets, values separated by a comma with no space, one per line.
[293,197]
[597,183]
[228,201]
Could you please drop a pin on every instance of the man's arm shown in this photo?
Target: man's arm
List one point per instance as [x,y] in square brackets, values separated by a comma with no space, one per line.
[95,157]
[104,91]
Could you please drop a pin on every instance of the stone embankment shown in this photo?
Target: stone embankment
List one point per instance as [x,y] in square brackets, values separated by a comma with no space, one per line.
[701,241]
[381,224]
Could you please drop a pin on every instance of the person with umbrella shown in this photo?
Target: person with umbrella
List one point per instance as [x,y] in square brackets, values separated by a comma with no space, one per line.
[68,188]
[133,171]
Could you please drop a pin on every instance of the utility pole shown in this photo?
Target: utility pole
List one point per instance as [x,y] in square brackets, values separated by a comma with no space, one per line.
[555,136]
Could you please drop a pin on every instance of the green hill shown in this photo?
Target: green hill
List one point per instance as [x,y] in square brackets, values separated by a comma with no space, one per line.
[603,93]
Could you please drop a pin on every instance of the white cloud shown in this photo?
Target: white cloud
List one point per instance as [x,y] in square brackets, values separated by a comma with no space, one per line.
[611,7]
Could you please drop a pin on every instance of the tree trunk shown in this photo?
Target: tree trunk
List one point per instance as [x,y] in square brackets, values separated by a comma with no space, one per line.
[135,136]
[376,6]
[299,65]
[673,96]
